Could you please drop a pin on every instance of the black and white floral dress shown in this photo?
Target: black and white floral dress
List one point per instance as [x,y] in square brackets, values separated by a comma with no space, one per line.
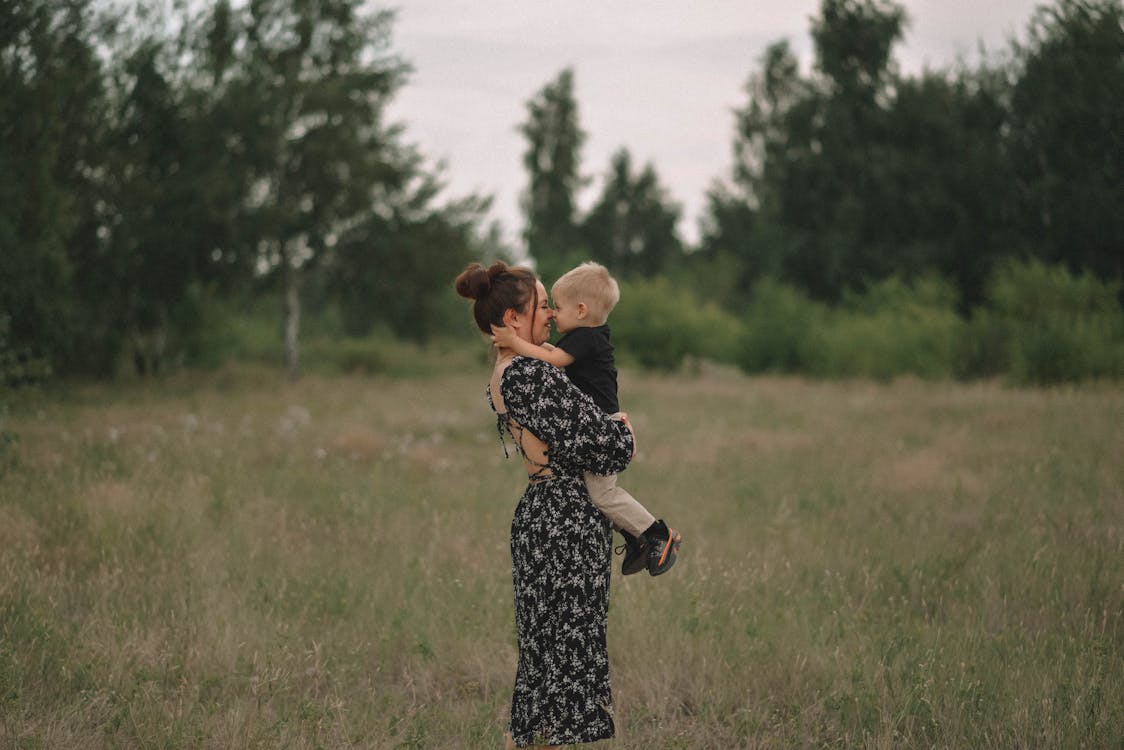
[560,559]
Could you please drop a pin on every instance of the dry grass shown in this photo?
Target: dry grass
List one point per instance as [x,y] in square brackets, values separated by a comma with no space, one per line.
[233,561]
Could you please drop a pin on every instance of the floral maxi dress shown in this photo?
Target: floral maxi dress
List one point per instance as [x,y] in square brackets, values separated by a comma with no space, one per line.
[561,550]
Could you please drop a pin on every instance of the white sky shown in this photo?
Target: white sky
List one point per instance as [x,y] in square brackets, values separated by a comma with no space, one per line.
[660,77]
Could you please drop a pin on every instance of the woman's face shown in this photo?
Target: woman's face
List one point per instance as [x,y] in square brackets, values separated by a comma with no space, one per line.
[541,316]
[537,328]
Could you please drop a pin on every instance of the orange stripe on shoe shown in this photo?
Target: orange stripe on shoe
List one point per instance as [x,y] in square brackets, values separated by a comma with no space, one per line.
[667,547]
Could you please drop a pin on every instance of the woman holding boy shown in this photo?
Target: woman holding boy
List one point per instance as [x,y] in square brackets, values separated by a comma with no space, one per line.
[560,542]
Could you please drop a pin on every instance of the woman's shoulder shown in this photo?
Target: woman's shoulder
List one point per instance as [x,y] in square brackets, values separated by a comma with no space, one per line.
[528,370]
[523,364]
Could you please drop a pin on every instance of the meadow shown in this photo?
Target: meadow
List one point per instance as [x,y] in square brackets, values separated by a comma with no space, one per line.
[229,560]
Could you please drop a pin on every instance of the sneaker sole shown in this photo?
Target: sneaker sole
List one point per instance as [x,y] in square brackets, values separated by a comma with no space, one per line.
[635,568]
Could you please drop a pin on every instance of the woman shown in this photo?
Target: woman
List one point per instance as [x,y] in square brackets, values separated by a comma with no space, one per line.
[560,543]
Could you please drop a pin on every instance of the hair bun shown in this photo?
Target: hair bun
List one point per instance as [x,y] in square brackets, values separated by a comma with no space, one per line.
[474,282]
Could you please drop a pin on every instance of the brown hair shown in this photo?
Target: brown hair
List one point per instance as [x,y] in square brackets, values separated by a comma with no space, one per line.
[494,290]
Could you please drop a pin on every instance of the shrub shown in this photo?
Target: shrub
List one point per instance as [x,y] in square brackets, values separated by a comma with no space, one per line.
[983,350]
[894,329]
[782,331]
[659,325]
[1056,326]
[351,356]
[19,366]
[886,344]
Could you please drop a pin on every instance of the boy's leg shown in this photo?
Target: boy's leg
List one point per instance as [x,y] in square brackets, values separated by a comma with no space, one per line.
[650,543]
[618,506]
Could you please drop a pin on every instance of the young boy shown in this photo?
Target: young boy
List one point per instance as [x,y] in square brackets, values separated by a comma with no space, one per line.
[583,298]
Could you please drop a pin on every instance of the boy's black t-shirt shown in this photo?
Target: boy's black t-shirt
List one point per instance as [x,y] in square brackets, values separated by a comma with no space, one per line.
[594,370]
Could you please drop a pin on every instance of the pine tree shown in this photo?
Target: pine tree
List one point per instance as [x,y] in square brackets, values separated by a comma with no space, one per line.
[553,162]
[632,227]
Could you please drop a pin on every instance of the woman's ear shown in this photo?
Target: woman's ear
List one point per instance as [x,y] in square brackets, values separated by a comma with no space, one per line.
[510,318]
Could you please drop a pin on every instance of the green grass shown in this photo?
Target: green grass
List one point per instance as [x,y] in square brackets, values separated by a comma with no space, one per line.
[230,560]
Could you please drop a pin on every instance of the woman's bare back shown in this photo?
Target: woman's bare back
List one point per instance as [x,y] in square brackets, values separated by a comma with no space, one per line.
[532,450]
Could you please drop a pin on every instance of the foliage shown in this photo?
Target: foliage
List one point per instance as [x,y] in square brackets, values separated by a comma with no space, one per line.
[159,158]
[835,142]
[1058,326]
[153,242]
[631,227]
[852,173]
[161,163]
[782,331]
[395,272]
[203,325]
[956,212]
[1066,148]
[18,366]
[714,276]
[553,162]
[894,329]
[659,325]
[314,78]
[52,115]
[354,356]
[1041,324]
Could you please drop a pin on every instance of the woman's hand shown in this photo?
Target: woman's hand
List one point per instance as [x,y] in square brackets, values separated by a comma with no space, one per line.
[621,416]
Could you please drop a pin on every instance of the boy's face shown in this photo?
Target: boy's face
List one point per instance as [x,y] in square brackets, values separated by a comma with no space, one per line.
[568,314]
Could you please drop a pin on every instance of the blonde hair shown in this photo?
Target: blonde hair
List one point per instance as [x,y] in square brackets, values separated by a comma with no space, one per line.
[592,284]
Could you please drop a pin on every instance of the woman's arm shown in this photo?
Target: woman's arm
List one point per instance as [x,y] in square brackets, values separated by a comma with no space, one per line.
[579,435]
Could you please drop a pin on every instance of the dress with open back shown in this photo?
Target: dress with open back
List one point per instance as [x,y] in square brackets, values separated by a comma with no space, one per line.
[560,557]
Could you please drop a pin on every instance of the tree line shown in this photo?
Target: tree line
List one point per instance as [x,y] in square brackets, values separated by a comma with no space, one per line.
[155,160]
[160,167]
[852,173]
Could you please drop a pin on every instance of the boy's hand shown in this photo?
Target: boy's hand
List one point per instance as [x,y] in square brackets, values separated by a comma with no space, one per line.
[503,337]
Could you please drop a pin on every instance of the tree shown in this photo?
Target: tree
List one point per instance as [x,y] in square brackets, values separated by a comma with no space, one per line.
[313,87]
[1066,143]
[837,192]
[222,133]
[854,173]
[953,207]
[631,228]
[150,245]
[854,40]
[52,115]
[395,267]
[812,157]
[739,214]
[552,160]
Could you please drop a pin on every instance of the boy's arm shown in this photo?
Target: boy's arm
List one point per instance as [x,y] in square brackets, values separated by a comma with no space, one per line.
[506,337]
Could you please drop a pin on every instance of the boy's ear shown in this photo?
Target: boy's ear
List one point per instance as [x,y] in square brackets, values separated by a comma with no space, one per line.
[583,310]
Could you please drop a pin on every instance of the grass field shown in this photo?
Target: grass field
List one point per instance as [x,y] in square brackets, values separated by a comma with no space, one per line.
[231,561]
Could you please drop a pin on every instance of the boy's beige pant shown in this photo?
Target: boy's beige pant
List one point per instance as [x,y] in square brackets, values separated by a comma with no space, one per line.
[618,506]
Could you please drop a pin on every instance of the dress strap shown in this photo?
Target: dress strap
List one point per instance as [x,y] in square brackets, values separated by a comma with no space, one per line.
[543,472]
[501,418]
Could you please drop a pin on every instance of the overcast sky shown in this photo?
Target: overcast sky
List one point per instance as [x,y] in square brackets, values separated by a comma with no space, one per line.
[660,77]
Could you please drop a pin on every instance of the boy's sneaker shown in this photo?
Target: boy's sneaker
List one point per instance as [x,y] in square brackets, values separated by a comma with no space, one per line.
[662,550]
[635,555]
